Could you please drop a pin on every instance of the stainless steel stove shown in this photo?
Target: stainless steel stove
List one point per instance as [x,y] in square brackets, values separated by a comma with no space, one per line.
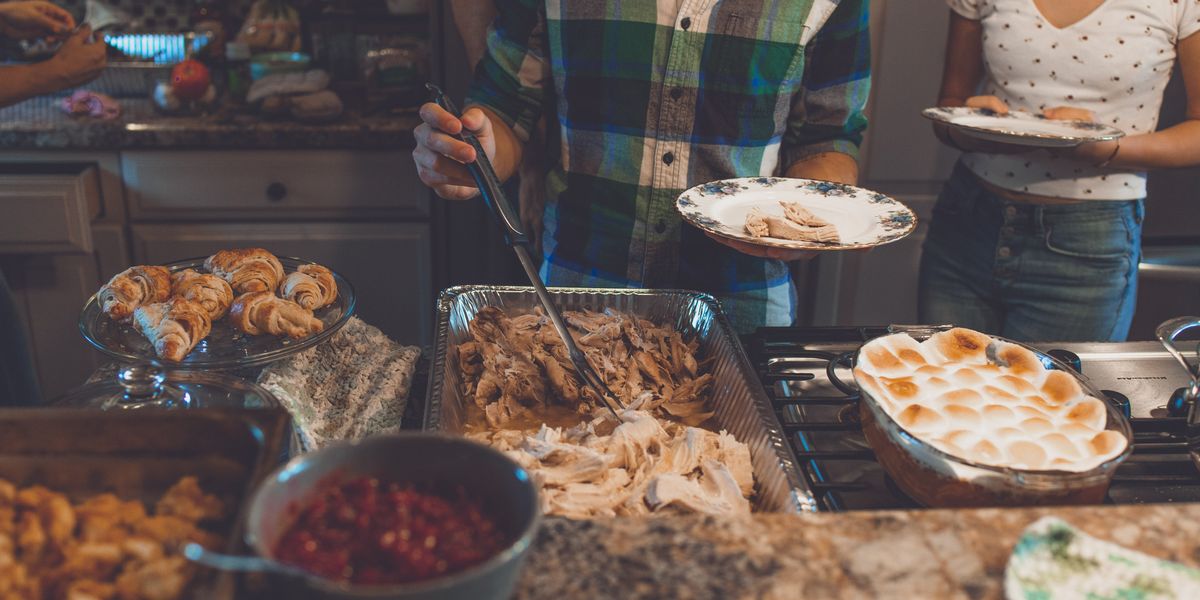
[806,372]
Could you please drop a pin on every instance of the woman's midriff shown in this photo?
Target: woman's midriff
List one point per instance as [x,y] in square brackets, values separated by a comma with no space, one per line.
[1023,197]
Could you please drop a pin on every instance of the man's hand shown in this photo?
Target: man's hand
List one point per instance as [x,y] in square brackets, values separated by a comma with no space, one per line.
[440,156]
[78,61]
[783,254]
[31,20]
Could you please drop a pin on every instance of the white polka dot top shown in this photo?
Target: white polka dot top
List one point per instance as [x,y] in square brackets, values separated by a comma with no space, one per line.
[1114,62]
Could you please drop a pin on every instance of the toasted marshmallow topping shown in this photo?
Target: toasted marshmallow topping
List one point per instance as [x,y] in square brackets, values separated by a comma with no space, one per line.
[987,401]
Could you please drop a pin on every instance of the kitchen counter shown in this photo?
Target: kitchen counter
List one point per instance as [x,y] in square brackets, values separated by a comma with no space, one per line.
[39,124]
[893,554]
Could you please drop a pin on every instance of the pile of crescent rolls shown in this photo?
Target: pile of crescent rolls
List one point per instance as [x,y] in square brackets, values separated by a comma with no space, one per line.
[175,311]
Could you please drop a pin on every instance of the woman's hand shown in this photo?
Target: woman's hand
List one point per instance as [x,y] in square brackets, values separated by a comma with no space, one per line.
[991,103]
[1069,113]
[440,156]
[783,254]
[31,20]
[1092,153]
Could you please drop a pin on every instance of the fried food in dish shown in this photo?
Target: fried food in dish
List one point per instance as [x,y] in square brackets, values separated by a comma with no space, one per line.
[104,548]
[210,291]
[311,286]
[133,287]
[515,365]
[646,465]
[174,327]
[247,269]
[258,313]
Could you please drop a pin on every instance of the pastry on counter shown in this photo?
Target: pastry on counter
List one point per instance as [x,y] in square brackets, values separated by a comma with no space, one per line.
[210,291]
[258,313]
[133,287]
[174,327]
[311,286]
[247,269]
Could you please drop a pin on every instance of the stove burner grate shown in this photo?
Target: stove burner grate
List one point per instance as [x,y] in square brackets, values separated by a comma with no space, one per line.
[805,374]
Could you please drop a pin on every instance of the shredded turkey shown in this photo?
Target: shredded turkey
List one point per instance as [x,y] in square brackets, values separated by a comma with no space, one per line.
[515,365]
[646,465]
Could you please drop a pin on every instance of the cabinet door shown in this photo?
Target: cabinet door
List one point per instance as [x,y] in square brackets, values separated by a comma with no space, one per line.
[49,291]
[388,263]
[204,185]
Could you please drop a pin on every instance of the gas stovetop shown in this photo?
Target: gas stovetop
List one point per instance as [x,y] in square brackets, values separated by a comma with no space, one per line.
[819,414]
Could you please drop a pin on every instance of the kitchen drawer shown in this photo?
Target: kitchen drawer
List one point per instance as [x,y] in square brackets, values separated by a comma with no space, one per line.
[388,263]
[48,212]
[272,185]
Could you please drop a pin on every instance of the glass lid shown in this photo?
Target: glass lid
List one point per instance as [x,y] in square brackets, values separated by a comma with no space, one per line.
[148,386]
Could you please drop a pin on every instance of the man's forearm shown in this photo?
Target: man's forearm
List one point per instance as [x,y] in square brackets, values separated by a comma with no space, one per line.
[826,166]
[21,82]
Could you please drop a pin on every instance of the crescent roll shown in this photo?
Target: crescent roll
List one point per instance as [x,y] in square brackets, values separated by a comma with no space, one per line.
[258,313]
[210,291]
[247,269]
[133,287]
[311,286]
[175,327]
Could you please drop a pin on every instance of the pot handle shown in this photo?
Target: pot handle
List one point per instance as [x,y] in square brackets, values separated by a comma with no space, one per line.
[1167,332]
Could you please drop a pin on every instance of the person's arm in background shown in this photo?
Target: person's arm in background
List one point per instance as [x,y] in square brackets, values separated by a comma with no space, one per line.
[961,74]
[472,18]
[1175,146]
[826,124]
[506,99]
[78,61]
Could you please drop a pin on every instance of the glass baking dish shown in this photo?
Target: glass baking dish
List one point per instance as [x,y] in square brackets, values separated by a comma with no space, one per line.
[937,479]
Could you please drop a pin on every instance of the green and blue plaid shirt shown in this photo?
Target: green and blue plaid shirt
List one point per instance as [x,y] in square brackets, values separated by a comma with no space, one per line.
[651,98]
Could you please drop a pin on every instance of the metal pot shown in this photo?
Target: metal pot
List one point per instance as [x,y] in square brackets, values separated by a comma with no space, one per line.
[507,491]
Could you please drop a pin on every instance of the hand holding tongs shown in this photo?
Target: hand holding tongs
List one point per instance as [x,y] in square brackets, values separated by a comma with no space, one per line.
[514,236]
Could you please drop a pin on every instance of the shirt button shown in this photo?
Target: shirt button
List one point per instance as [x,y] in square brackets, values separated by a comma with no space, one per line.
[660,227]
[676,93]
[1004,252]
[669,158]
[1010,211]
[1007,231]
[685,23]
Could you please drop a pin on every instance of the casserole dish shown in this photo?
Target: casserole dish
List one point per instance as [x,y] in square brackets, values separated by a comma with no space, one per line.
[935,477]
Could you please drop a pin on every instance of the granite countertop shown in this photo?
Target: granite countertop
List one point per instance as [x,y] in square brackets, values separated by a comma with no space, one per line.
[39,124]
[892,554]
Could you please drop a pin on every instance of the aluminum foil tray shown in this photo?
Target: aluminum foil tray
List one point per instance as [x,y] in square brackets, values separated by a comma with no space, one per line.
[741,405]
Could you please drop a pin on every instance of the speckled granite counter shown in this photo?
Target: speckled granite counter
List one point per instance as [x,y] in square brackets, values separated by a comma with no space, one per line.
[911,554]
[38,124]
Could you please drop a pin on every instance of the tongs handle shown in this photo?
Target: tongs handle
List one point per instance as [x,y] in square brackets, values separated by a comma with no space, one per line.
[485,177]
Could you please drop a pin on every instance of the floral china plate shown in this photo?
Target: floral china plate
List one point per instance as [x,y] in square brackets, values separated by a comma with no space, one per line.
[864,219]
[1023,128]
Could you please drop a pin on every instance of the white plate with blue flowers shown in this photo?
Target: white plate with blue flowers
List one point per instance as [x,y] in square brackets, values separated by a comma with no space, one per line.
[864,219]
[1021,128]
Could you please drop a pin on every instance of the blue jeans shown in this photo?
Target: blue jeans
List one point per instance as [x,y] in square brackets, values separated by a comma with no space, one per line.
[1030,272]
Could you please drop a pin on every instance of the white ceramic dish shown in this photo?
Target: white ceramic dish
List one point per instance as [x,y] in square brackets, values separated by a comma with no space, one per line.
[864,218]
[1023,128]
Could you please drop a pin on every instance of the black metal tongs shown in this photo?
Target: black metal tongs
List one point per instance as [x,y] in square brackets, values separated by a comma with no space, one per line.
[515,237]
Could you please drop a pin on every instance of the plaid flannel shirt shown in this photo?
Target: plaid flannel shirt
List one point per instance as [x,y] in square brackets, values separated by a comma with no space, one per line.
[648,99]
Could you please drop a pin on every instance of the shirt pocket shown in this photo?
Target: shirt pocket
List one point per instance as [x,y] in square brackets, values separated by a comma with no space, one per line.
[1102,232]
[750,68]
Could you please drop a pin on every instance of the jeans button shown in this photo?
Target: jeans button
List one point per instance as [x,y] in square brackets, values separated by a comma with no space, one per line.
[1004,252]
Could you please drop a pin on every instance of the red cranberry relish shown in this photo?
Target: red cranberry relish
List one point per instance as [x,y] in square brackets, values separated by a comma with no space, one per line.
[367,532]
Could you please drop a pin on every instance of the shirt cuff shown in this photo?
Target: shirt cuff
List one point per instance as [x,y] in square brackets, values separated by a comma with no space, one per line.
[791,155]
[520,127]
